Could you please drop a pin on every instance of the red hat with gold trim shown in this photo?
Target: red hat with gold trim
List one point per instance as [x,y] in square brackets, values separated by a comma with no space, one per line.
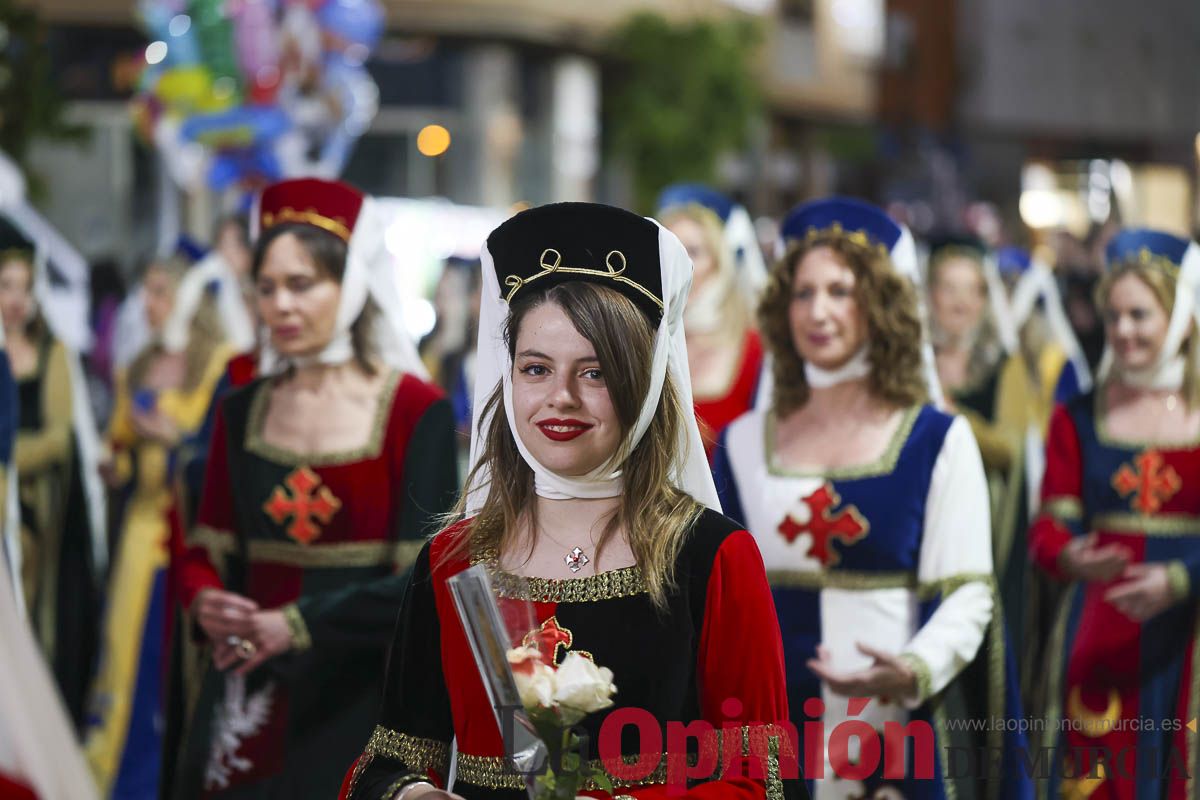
[331,206]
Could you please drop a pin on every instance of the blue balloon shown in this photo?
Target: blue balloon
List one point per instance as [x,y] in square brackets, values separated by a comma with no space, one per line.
[357,21]
[238,127]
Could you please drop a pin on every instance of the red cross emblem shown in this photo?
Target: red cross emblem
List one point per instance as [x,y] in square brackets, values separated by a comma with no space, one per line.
[301,501]
[1151,482]
[548,638]
[847,526]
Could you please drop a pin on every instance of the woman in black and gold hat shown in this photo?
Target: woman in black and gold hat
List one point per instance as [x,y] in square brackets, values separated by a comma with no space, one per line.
[590,498]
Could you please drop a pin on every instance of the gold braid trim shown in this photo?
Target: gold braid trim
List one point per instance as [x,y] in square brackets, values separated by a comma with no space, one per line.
[924,675]
[1063,508]
[551,263]
[336,226]
[1143,525]
[340,554]
[1178,580]
[220,544]
[497,772]
[841,579]
[301,639]
[417,754]
[624,582]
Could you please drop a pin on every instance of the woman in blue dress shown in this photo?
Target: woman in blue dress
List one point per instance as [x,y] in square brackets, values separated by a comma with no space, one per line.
[870,508]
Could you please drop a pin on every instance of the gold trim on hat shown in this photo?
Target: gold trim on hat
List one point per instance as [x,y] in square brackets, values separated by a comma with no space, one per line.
[551,262]
[1147,258]
[335,225]
[859,237]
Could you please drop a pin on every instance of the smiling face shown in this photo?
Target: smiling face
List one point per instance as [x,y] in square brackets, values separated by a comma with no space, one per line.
[1135,322]
[827,325]
[958,297]
[563,411]
[297,300]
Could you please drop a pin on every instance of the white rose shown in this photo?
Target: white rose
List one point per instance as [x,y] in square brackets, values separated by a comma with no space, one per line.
[583,686]
[534,679]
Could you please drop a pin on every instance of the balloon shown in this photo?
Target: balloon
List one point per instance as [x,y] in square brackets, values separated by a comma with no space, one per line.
[237,128]
[184,87]
[257,43]
[253,167]
[215,32]
[347,23]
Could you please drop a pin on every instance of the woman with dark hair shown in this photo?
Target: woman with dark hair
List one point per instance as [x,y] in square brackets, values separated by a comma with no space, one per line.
[591,500]
[58,569]
[870,507]
[323,479]
[1118,528]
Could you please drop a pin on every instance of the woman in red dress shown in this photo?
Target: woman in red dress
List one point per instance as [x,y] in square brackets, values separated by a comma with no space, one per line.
[323,479]
[590,500]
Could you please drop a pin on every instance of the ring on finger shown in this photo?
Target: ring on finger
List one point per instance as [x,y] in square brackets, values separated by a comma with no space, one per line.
[233,641]
[247,648]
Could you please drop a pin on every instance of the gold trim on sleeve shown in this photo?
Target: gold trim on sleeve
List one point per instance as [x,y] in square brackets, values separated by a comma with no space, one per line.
[1178,580]
[924,675]
[336,554]
[218,543]
[301,639]
[1063,507]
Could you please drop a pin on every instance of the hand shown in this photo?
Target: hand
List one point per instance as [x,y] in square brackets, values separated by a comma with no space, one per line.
[1144,592]
[1083,560]
[223,614]
[270,635]
[888,677]
[427,791]
[156,426]
[108,472]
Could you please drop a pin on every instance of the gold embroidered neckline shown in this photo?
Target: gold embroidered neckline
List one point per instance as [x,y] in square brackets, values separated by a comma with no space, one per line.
[615,583]
[883,465]
[371,449]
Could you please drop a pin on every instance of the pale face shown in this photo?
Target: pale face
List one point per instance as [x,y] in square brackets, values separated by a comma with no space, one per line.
[691,235]
[828,327]
[297,301]
[561,405]
[158,293]
[958,297]
[1135,323]
[16,292]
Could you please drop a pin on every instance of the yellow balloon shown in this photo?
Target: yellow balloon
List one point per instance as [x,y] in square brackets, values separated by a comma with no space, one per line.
[184,87]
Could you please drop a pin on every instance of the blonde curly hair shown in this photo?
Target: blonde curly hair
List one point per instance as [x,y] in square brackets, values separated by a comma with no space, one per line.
[887,300]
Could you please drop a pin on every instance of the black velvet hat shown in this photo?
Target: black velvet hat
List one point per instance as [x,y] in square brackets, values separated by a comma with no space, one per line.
[563,242]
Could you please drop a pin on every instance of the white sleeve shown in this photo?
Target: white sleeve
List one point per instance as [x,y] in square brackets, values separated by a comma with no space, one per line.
[955,562]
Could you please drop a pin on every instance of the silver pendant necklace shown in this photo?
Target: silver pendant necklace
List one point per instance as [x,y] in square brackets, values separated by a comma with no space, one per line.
[575,559]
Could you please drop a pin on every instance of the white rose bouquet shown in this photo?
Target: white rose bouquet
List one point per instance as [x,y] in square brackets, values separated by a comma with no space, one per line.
[556,700]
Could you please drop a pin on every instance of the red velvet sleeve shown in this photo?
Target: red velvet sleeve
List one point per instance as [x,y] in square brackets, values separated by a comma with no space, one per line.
[740,660]
[213,538]
[1060,515]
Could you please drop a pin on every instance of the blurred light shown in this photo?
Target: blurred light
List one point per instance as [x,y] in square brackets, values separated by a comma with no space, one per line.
[179,25]
[861,24]
[1198,146]
[223,88]
[1041,208]
[419,316]
[433,140]
[156,52]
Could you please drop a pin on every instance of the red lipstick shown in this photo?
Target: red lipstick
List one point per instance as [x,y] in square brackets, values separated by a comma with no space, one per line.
[562,430]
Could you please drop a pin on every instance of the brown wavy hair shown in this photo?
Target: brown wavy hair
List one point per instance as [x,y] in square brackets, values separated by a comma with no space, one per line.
[887,300]
[655,516]
[1162,284]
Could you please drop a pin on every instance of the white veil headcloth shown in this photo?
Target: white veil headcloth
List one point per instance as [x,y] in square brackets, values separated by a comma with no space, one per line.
[615,248]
